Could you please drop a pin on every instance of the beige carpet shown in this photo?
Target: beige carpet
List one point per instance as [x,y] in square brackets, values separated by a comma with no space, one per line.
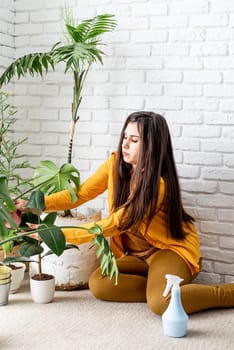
[76,320]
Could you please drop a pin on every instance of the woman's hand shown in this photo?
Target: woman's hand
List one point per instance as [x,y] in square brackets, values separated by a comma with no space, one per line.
[34,227]
[20,204]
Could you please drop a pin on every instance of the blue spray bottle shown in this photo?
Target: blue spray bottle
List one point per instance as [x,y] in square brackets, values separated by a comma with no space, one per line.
[174,318]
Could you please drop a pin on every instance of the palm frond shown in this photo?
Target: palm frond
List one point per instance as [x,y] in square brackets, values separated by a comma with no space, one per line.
[99,25]
[92,28]
[76,54]
[75,35]
[33,63]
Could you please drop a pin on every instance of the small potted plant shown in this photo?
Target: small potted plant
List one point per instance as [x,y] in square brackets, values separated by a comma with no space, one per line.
[5,282]
[17,267]
[12,230]
[49,233]
[42,285]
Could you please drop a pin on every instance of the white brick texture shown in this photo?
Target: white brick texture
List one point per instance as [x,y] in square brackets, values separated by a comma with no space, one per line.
[175,57]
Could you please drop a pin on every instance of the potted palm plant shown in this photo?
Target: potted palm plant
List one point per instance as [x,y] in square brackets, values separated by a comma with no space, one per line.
[82,49]
[79,53]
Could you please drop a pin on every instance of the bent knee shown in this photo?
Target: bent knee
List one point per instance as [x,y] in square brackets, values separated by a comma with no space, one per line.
[157,304]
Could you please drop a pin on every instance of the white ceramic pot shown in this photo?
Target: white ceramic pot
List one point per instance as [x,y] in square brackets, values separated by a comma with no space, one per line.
[5,282]
[42,291]
[17,276]
[74,267]
[4,293]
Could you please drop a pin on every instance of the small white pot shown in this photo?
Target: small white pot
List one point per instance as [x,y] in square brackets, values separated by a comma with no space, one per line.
[4,293]
[5,282]
[17,276]
[42,291]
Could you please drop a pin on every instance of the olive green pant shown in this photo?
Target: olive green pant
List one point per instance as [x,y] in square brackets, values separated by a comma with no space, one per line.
[144,281]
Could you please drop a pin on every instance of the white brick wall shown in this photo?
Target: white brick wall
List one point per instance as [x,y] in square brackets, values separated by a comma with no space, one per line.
[6,33]
[175,57]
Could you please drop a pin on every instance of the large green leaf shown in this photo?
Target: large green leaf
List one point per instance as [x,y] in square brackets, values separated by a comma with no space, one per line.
[53,237]
[26,217]
[50,218]
[76,54]
[12,259]
[92,28]
[30,248]
[36,202]
[5,217]
[50,179]
[4,193]
[34,63]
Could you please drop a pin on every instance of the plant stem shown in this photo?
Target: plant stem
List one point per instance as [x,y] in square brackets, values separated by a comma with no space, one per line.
[30,190]
[39,264]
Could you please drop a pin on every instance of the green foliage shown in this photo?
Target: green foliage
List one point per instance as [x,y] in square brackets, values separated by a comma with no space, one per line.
[82,51]
[51,179]
[108,263]
[30,247]
[11,161]
[34,63]
[49,233]
[36,202]
[78,54]
[6,207]
[5,194]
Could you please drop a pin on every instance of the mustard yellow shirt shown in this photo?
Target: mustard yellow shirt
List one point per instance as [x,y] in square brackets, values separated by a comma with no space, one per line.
[157,233]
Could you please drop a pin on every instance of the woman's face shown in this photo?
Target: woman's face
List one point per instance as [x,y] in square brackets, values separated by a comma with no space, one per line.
[131,144]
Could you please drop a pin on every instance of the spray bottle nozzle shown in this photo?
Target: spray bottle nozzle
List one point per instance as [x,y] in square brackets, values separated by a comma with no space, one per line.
[172,281]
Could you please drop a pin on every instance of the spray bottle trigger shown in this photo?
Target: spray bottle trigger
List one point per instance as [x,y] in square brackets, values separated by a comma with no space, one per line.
[172,281]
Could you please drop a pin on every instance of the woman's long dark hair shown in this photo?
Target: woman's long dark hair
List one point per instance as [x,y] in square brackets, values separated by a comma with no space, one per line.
[137,191]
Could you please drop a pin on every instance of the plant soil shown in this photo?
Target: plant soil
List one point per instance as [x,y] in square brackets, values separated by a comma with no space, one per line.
[14,267]
[42,277]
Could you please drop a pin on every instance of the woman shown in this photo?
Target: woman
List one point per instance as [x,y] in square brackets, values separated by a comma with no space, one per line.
[151,233]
